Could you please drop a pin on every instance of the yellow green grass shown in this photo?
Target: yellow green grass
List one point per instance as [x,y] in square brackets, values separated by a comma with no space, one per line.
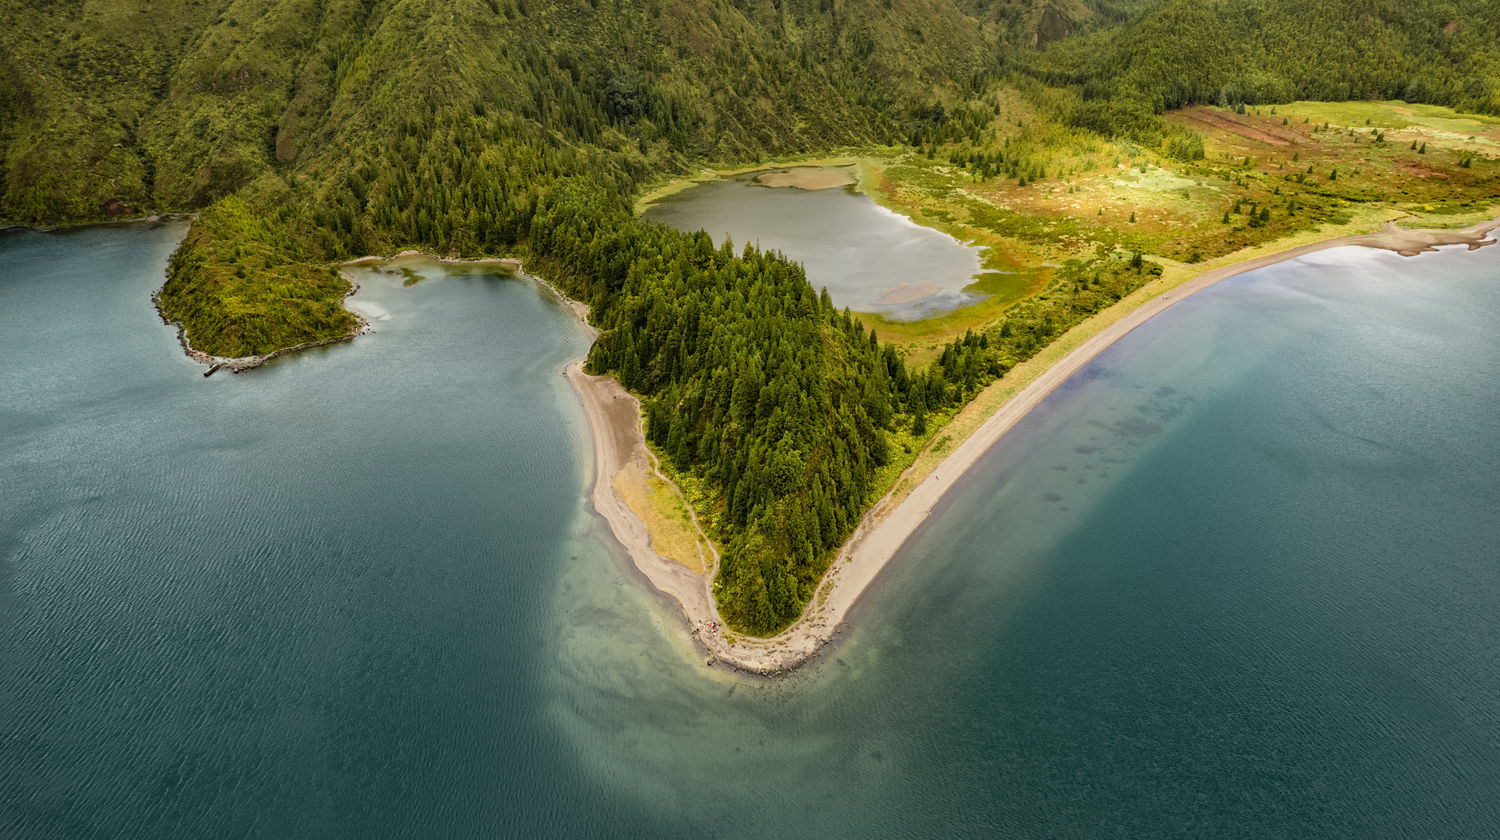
[1478,132]
[1460,219]
[967,420]
[1277,161]
[1190,217]
[910,185]
[1125,198]
[667,520]
[673,184]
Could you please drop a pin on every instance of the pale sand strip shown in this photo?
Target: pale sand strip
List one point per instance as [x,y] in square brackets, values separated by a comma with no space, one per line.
[240,364]
[615,418]
[886,527]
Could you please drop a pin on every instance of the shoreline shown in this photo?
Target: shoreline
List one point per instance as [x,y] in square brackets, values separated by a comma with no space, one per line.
[614,418]
[152,219]
[678,183]
[580,309]
[233,364]
[891,521]
[615,421]
[240,364]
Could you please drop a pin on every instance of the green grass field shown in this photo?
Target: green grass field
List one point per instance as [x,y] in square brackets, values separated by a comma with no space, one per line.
[1268,175]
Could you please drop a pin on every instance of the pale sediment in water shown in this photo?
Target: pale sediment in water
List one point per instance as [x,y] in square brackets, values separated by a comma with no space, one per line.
[510,265]
[1409,242]
[806,178]
[907,293]
[346,585]
[614,416]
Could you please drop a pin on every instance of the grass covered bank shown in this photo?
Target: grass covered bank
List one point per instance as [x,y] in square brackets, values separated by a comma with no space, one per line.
[237,286]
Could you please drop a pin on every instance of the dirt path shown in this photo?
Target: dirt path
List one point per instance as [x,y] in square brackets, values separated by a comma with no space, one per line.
[614,416]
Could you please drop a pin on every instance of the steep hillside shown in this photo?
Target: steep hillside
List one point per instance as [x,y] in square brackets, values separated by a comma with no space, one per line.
[1027,22]
[78,84]
[1227,52]
[112,108]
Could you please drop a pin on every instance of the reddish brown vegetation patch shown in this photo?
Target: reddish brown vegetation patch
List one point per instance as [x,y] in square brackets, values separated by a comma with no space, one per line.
[1418,170]
[1240,127]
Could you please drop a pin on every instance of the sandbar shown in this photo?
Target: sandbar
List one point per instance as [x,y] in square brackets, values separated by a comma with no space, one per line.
[615,418]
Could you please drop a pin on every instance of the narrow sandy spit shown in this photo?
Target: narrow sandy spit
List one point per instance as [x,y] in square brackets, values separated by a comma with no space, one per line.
[615,418]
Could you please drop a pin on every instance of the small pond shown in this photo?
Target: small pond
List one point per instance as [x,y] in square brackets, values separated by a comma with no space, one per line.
[869,258]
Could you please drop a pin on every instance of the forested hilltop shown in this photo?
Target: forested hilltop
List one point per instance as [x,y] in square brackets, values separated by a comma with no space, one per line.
[306,133]
[1234,52]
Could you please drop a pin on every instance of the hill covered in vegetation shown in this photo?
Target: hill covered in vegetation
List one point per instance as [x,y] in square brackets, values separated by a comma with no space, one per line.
[305,133]
[1247,52]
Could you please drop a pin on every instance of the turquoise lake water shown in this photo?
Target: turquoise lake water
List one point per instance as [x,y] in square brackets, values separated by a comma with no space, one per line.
[1239,578]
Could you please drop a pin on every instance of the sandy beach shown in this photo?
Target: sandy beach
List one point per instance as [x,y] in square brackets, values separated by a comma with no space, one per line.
[615,418]
[678,184]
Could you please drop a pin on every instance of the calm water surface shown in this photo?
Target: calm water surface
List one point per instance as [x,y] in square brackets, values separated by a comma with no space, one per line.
[1237,579]
[869,258]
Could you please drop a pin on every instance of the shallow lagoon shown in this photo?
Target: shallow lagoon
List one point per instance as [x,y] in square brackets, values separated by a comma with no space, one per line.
[869,258]
[1237,579]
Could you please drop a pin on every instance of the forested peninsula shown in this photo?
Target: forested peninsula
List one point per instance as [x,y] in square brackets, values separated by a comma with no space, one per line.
[1093,146]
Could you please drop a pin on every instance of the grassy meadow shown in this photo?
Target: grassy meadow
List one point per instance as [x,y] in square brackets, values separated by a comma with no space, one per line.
[1272,175]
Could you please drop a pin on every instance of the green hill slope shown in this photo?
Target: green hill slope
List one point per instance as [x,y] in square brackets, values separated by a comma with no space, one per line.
[1228,52]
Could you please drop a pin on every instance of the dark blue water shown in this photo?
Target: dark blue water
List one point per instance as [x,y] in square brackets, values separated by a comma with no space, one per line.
[1240,578]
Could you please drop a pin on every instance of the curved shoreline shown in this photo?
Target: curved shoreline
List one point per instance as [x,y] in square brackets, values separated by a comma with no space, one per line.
[678,183]
[240,364]
[152,219]
[891,521]
[887,525]
[615,420]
